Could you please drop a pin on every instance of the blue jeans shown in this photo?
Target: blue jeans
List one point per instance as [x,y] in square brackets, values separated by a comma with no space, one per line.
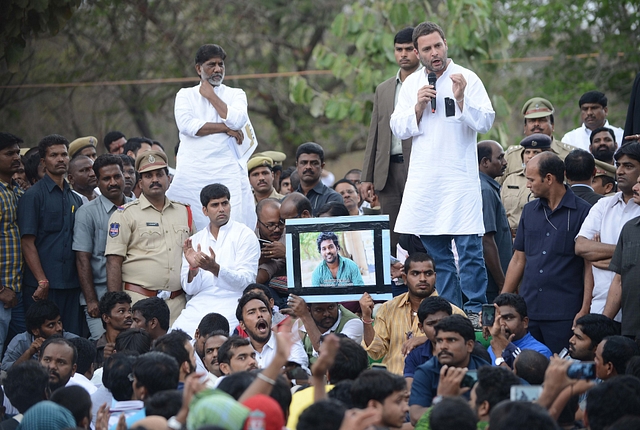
[470,280]
[11,319]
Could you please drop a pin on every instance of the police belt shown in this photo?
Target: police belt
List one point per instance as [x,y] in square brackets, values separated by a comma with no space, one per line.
[163,294]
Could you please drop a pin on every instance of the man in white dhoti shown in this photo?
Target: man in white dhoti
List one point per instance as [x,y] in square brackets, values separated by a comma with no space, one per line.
[444,153]
[210,117]
[218,262]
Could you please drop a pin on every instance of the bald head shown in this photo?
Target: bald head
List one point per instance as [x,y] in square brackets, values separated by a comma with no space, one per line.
[295,205]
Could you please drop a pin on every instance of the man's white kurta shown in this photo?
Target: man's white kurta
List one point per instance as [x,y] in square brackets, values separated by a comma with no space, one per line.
[237,252]
[204,160]
[580,137]
[442,195]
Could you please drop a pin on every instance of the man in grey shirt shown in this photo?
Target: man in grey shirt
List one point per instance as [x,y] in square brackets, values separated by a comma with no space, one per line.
[496,242]
[90,237]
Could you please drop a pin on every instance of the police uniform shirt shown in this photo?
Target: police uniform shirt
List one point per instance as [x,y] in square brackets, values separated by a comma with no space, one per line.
[150,242]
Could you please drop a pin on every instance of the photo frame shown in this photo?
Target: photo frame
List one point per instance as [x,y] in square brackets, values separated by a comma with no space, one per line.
[354,243]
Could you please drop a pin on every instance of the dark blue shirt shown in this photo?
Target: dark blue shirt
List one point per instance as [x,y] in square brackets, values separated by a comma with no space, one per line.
[553,281]
[48,213]
[427,377]
[417,357]
[320,195]
[495,221]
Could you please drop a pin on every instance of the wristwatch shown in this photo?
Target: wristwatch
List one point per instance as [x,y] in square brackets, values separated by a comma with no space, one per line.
[499,361]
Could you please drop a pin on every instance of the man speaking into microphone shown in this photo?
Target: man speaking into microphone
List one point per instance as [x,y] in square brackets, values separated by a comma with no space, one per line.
[444,127]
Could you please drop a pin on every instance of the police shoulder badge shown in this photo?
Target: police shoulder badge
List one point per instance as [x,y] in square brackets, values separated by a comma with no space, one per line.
[114,229]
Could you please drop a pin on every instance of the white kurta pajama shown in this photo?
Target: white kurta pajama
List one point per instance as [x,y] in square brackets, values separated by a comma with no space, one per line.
[237,252]
[204,160]
[442,195]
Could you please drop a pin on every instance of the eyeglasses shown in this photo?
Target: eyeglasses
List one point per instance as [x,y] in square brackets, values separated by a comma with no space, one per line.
[273,226]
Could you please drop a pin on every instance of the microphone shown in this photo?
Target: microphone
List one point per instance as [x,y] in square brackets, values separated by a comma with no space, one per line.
[432,81]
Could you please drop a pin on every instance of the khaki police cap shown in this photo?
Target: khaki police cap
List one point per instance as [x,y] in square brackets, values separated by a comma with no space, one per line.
[277,156]
[536,141]
[150,160]
[537,107]
[259,161]
[80,143]
[605,169]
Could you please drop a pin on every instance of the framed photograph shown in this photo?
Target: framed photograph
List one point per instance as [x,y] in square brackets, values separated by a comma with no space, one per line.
[337,259]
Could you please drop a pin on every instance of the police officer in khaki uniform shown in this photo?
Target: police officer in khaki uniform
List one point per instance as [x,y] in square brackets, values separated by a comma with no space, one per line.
[144,244]
[514,192]
[261,178]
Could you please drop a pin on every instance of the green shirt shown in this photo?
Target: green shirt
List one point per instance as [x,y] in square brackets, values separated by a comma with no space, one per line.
[348,274]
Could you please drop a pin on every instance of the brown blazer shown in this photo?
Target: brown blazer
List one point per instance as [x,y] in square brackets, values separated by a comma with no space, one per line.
[376,156]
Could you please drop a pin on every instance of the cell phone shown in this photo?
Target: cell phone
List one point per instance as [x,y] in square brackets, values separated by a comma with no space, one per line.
[263,241]
[488,315]
[525,393]
[584,370]
[563,353]
[470,379]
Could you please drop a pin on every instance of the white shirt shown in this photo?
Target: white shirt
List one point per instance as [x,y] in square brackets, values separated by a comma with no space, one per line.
[353,329]
[579,137]
[606,217]
[297,355]
[237,252]
[82,381]
[442,194]
[204,160]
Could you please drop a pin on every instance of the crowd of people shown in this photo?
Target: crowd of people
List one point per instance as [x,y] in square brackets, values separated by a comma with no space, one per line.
[140,296]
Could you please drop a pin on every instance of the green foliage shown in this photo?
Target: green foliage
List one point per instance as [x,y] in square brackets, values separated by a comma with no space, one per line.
[23,19]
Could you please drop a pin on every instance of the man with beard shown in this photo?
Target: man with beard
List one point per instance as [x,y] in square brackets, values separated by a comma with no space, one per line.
[236,355]
[10,249]
[320,319]
[552,276]
[212,323]
[210,118]
[143,246]
[272,248]
[309,163]
[254,314]
[588,333]
[600,231]
[261,178]
[59,356]
[218,262]
[115,312]
[396,331]
[334,270]
[496,242]
[510,331]
[177,344]
[603,144]
[453,209]
[46,215]
[151,315]
[130,177]
[593,113]
[455,339]
[90,237]
[82,178]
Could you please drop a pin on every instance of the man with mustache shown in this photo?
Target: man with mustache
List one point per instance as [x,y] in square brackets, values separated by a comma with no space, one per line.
[349,192]
[261,178]
[144,244]
[90,237]
[82,178]
[10,249]
[254,314]
[46,215]
[116,316]
[236,355]
[212,119]
[496,242]
[272,246]
[593,113]
[597,238]
[603,144]
[334,270]
[58,356]
[444,125]
[455,339]
[211,351]
[309,163]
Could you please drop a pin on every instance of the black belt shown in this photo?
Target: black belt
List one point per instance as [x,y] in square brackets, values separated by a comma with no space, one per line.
[398,158]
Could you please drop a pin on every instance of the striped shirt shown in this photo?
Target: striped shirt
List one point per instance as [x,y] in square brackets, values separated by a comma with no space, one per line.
[394,325]
[10,249]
